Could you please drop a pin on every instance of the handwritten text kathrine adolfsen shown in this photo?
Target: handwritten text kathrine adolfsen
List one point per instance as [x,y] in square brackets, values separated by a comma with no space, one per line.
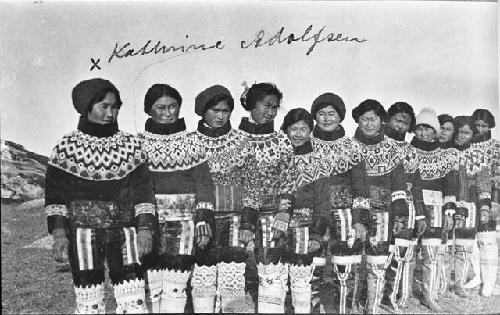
[261,39]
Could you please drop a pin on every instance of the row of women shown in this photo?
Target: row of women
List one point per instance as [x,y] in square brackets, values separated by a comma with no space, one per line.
[203,217]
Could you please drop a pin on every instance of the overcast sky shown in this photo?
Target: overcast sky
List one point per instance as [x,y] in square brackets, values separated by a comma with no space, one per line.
[440,55]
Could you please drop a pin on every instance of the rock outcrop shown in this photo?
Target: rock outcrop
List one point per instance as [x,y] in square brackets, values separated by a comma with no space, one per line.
[22,173]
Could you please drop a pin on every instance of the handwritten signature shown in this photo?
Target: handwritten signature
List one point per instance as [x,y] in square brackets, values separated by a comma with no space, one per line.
[317,38]
[125,50]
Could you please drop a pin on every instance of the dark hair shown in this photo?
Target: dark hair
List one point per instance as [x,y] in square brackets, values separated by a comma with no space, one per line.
[484,115]
[219,98]
[157,91]
[366,106]
[444,118]
[296,115]
[461,121]
[100,95]
[402,107]
[257,92]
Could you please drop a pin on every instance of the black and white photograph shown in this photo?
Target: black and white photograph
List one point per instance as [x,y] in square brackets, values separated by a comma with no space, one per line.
[286,157]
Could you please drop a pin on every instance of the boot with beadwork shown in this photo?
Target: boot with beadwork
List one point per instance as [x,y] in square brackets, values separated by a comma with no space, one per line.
[462,263]
[173,297]
[375,281]
[402,252]
[203,283]
[344,269]
[231,287]
[429,276]
[300,278]
[273,282]
[476,268]
[130,297]
[154,285]
[406,286]
[90,300]
[488,253]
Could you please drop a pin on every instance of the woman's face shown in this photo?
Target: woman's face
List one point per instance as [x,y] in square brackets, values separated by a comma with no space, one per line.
[266,109]
[481,126]
[400,122]
[218,115]
[165,110]
[298,133]
[446,132]
[369,123]
[464,135]
[105,111]
[425,133]
[327,118]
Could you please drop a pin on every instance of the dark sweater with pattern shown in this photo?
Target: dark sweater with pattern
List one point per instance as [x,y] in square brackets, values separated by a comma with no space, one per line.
[228,152]
[491,149]
[437,181]
[177,161]
[474,185]
[272,172]
[386,176]
[332,176]
[410,165]
[98,178]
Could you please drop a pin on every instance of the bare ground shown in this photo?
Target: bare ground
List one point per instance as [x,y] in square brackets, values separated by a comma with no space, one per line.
[32,282]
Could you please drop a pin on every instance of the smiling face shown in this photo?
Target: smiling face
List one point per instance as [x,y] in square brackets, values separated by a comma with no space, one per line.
[165,110]
[464,135]
[327,118]
[218,115]
[105,111]
[298,133]
[266,109]
[425,133]
[369,123]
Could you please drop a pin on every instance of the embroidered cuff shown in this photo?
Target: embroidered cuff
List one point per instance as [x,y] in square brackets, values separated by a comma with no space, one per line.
[398,194]
[461,204]
[484,195]
[281,221]
[61,210]
[144,208]
[361,202]
[204,205]
[250,203]
[280,225]
[447,199]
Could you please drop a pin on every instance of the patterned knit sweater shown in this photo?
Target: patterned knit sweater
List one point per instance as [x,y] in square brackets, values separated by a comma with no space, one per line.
[410,165]
[228,152]
[491,149]
[183,186]
[436,186]
[474,184]
[98,178]
[271,170]
[384,166]
[332,176]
